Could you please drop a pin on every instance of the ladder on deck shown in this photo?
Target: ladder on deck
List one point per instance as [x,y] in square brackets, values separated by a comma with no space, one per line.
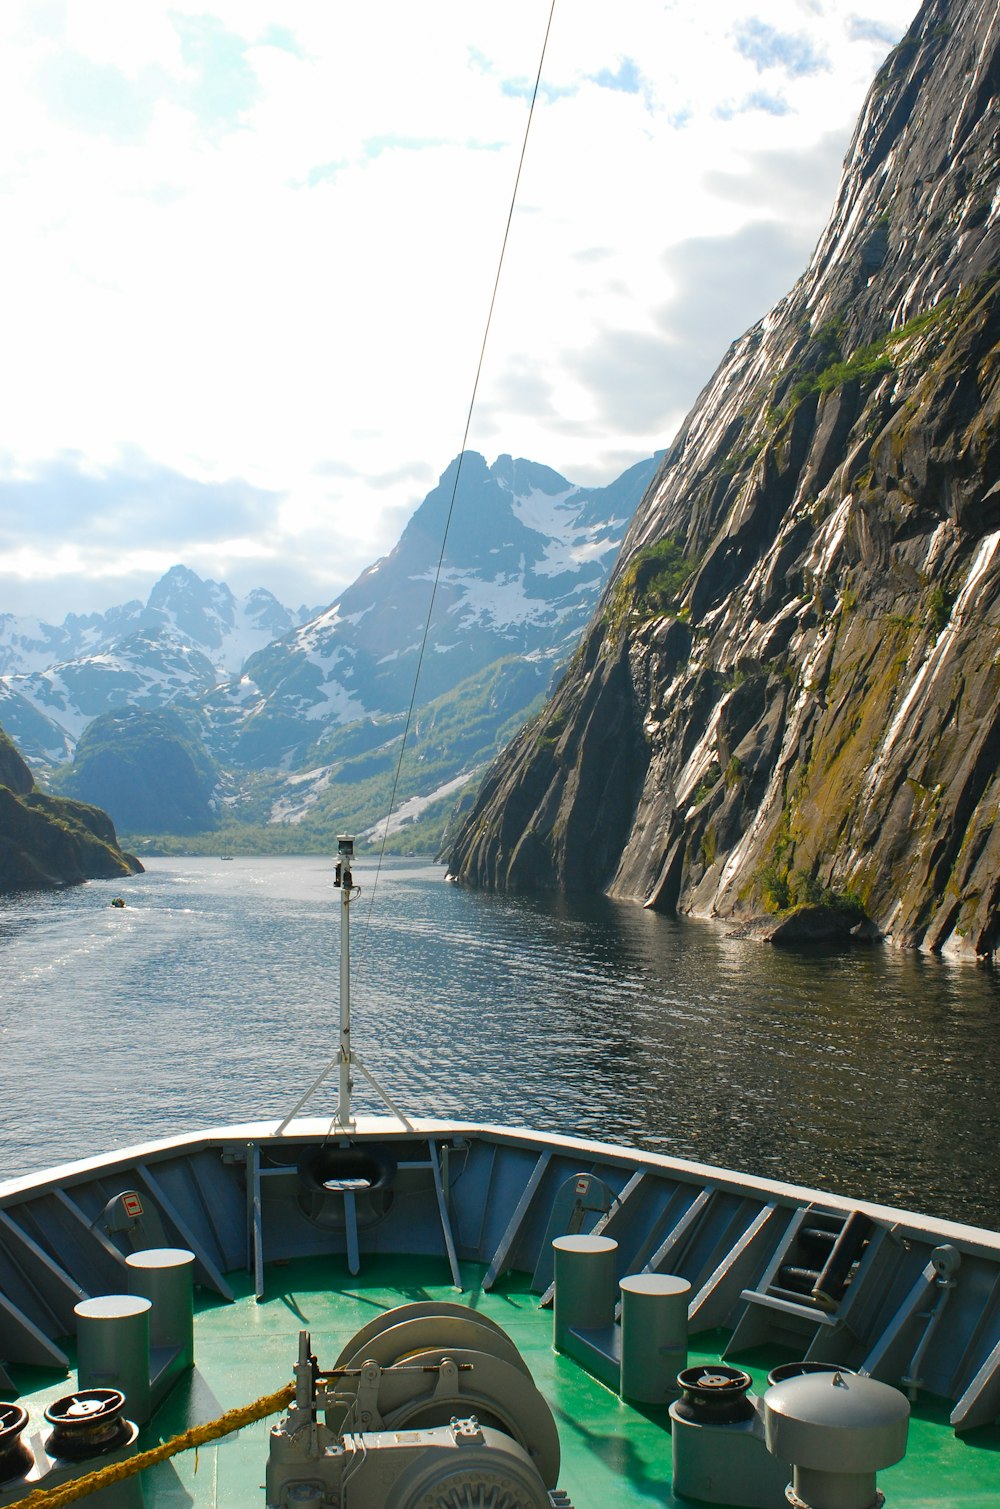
[803,1298]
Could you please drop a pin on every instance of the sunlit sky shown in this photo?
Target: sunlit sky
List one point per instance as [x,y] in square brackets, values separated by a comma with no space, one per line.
[248,251]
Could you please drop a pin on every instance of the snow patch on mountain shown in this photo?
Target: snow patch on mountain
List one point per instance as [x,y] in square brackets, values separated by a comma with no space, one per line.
[549,514]
[409,811]
[407,649]
[332,701]
[500,601]
[570,544]
[585,547]
[303,792]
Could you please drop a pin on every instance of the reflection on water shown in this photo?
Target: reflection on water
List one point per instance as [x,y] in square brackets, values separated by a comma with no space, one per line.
[213,998]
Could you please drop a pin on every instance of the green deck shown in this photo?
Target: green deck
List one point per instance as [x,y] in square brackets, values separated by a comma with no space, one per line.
[614,1456]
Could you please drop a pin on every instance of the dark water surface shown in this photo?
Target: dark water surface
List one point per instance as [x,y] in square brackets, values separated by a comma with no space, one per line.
[213,997]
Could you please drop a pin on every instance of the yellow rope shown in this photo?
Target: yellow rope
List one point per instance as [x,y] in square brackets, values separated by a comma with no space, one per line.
[199,1435]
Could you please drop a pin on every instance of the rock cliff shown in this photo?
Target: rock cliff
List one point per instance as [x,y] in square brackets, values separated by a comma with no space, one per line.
[789,692]
[47,841]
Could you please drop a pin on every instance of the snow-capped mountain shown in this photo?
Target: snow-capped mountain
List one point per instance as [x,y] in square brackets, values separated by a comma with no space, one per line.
[301,716]
[526,557]
[206,615]
[228,629]
[187,638]
[29,644]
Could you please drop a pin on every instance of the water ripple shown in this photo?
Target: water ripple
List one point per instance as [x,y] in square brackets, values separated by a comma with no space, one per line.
[213,996]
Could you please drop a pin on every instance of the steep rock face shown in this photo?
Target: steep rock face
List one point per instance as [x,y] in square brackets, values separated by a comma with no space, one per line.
[796,659]
[47,841]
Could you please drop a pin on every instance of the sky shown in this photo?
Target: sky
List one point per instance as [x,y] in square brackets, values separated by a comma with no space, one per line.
[249,248]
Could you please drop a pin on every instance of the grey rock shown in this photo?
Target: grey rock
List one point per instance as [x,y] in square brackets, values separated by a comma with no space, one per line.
[814,708]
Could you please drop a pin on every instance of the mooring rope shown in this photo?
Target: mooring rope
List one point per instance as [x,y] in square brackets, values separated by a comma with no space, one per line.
[198,1435]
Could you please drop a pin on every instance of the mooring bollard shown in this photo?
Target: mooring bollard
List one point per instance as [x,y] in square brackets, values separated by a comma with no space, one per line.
[654,1336]
[112,1334]
[163,1275]
[585,1285]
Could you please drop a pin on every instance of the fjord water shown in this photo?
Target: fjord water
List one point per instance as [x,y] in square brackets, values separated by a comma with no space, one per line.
[212,998]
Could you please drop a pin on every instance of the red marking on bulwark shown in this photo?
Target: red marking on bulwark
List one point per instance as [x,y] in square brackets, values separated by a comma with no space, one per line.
[132,1205]
[582,1186]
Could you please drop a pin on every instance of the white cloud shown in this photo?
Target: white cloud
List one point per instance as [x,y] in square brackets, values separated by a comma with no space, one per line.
[256,244]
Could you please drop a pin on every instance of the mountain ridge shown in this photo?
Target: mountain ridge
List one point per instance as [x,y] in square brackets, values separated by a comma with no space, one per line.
[311,721]
[188,635]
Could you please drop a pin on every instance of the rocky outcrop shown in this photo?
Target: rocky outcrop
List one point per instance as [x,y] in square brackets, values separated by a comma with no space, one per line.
[48,841]
[14,773]
[789,693]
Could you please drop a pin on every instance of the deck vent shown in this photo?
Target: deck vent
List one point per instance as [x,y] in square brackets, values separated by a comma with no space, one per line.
[837,1430]
[800,1369]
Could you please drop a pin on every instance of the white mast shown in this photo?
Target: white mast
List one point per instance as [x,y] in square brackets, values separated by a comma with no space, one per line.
[346,1060]
[344,880]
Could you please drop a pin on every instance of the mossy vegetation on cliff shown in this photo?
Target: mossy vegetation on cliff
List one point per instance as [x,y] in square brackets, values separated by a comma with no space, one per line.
[650,585]
[784,890]
[829,368]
